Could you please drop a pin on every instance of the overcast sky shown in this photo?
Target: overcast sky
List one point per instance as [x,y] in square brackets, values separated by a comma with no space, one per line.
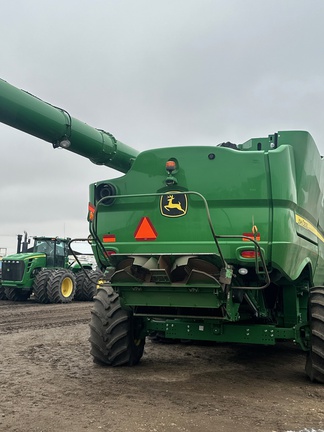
[153,73]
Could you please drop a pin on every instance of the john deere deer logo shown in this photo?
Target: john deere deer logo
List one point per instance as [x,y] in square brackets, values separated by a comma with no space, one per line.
[173,205]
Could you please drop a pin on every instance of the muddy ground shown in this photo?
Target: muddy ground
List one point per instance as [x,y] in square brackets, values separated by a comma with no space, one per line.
[49,382]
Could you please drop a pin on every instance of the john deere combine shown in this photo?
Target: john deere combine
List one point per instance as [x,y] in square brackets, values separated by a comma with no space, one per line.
[222,243]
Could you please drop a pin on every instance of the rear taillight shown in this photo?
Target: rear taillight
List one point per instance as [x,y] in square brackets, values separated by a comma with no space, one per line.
[249,254]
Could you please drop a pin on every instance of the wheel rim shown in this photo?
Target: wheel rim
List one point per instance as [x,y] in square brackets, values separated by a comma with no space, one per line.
[100,282]
[66,287]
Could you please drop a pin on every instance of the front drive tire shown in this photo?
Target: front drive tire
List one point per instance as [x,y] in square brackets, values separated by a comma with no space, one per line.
[16,294]
[40,286]
[61,286]
[113,331]
[2,293]
[315,358]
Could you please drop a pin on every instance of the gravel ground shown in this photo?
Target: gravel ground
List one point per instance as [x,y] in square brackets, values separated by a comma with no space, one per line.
[49,382]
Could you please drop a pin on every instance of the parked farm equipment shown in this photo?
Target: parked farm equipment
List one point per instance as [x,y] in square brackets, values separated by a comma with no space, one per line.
[46,271]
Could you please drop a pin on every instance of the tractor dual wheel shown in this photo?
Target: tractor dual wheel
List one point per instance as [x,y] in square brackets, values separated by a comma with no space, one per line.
[40,285]
[315,358]
[114,332]
[81,276]
[87,283]
[61,286]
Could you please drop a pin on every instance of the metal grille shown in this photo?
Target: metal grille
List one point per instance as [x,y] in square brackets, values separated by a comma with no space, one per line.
[12,270]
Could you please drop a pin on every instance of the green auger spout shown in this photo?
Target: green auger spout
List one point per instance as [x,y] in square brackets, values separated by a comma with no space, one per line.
[25,112]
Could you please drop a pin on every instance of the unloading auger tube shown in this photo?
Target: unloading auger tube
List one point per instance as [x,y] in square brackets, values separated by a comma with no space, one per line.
[26,112]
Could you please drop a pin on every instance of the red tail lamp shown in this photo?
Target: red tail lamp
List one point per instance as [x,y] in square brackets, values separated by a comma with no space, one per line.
[249,254]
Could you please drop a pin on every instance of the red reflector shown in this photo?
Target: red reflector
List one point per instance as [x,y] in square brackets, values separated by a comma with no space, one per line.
[251,235]
[248,254]
[91,212]
[145,230]
[109,238]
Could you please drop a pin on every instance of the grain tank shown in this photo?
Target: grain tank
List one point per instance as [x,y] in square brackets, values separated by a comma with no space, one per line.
[217,243]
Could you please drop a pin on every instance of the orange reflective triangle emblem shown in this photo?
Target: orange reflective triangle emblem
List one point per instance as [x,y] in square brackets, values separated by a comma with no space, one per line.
[145,230]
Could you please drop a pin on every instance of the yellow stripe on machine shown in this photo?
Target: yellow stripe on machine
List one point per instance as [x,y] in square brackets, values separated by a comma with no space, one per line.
[308,226]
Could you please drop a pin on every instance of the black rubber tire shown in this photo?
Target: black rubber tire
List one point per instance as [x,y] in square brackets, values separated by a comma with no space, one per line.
[90,286]
[16,294]
[81,277]
[315,358]
[112,331]
[2,293]
[40,286]
[61,286]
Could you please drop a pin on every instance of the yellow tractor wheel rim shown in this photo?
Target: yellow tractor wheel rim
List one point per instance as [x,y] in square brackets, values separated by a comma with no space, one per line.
[66,287]
[99,283]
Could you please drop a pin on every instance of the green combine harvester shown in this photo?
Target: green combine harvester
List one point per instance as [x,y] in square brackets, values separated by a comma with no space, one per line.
[219,243]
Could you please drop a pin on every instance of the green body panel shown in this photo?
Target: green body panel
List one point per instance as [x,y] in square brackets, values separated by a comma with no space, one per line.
[242,188]
[233,200]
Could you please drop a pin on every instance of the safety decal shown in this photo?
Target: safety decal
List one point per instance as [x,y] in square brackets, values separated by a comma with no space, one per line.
[174,204]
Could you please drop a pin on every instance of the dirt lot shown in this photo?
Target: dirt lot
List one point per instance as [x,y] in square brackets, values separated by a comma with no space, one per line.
[49,382]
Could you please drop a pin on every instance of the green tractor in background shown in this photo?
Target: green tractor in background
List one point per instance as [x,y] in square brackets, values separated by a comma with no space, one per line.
[45,270]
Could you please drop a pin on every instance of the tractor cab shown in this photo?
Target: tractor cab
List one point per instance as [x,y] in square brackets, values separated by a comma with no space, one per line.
[55,249]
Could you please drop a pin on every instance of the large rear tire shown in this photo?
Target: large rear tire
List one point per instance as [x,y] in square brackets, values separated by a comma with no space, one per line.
[40,286]
[315,358]
[114,332]
[16,294]
[61,286]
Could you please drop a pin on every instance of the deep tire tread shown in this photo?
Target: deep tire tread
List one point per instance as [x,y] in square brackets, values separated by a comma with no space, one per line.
[315,360]
[80,277]
[90,284]
[111,333]
[2,293]
[16,294]
[40,286]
